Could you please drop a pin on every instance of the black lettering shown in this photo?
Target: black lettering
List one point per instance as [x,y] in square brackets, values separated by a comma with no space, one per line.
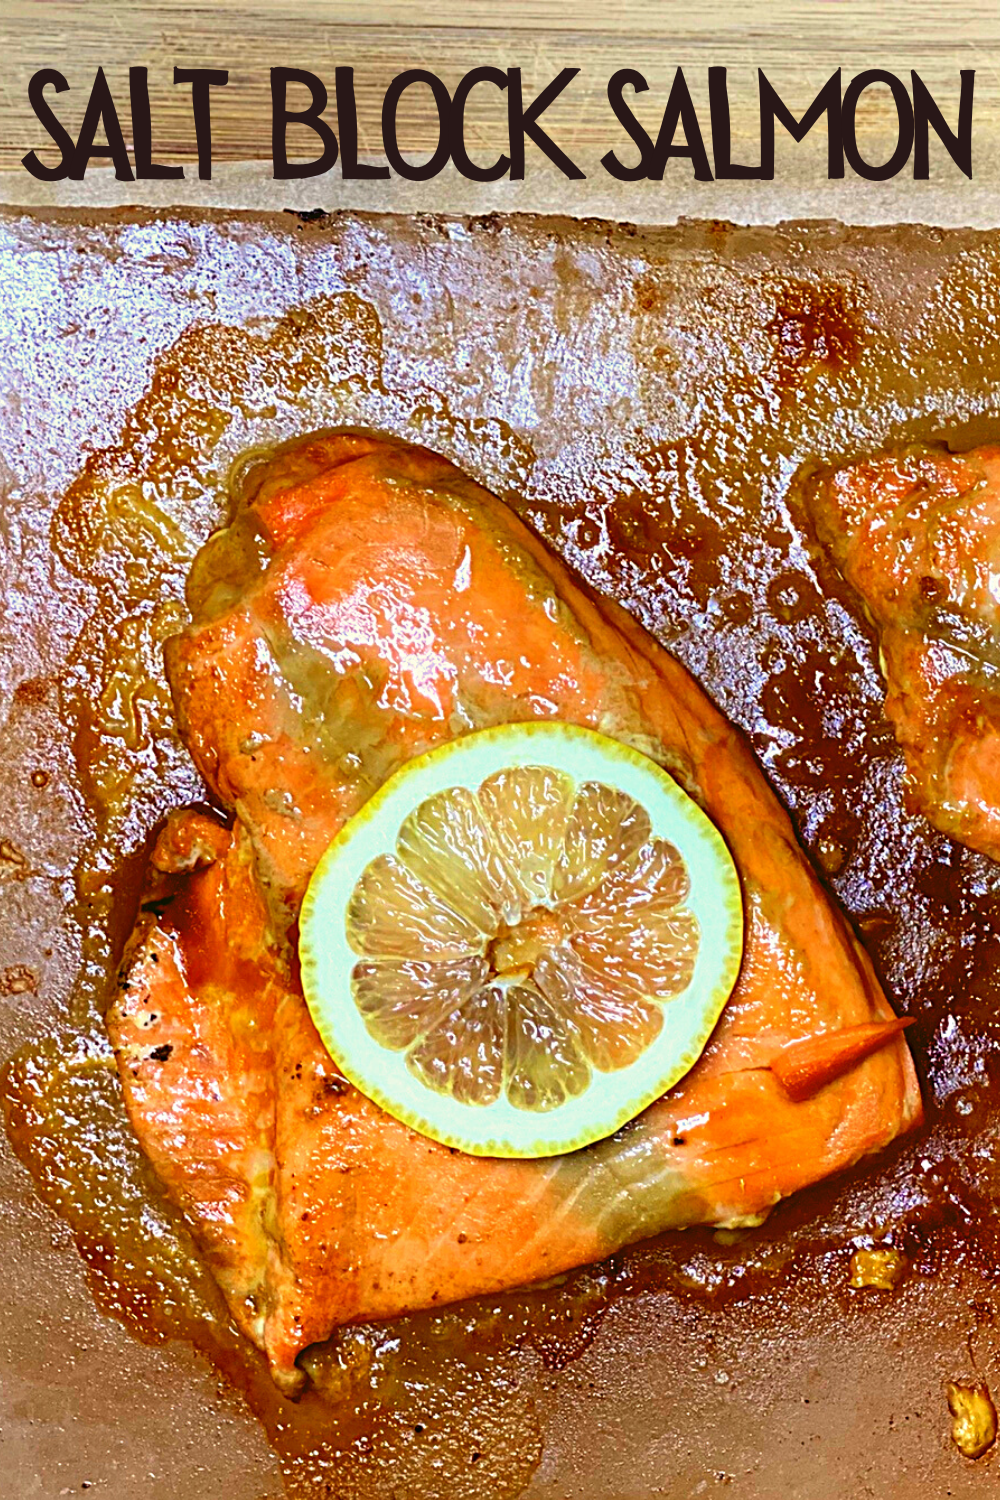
[523,122]
[680,111]
[312,116]
[101,111]
[628,77]
[146,169]
[390,106]
[347,129]
[44,79]
[957,143]
[202,80]
[460,155]
[904,124]
[827,102]
[722,136]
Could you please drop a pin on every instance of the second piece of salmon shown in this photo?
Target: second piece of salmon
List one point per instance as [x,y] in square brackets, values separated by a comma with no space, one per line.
[917,534]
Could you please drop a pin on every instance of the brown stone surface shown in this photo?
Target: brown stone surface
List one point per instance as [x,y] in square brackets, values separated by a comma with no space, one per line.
[651,401]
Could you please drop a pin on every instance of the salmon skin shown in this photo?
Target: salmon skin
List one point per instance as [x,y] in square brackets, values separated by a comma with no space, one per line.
[368,602]
[917,535]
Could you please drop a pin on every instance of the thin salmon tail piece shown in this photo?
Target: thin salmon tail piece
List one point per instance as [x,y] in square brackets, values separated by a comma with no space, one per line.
[806,1066]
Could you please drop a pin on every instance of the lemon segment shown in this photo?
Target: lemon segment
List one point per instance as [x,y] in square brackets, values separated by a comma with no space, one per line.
[522,939]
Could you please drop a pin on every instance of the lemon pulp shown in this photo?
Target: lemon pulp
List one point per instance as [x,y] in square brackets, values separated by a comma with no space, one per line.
[522,939]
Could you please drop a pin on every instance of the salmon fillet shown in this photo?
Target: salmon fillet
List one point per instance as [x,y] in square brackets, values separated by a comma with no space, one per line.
[368,602]
[917,534]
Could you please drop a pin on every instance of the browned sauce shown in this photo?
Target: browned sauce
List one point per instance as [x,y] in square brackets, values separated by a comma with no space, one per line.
[704,539]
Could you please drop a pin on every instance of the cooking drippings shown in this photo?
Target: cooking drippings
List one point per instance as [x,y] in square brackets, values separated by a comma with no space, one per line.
[696,527]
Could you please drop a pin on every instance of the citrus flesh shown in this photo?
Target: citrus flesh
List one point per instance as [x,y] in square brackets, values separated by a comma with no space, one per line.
[523,939]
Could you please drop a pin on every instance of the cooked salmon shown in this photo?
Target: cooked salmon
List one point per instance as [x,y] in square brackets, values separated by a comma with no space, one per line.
[917,535]
[367,602]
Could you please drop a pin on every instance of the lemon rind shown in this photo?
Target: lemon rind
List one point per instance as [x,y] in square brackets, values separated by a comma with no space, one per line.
[715,901]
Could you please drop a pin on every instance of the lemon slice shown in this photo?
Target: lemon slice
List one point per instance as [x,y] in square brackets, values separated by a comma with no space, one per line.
[523,939]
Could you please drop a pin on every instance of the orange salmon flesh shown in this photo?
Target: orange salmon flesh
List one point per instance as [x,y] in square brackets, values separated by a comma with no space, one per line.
[368,602]
[917,535]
